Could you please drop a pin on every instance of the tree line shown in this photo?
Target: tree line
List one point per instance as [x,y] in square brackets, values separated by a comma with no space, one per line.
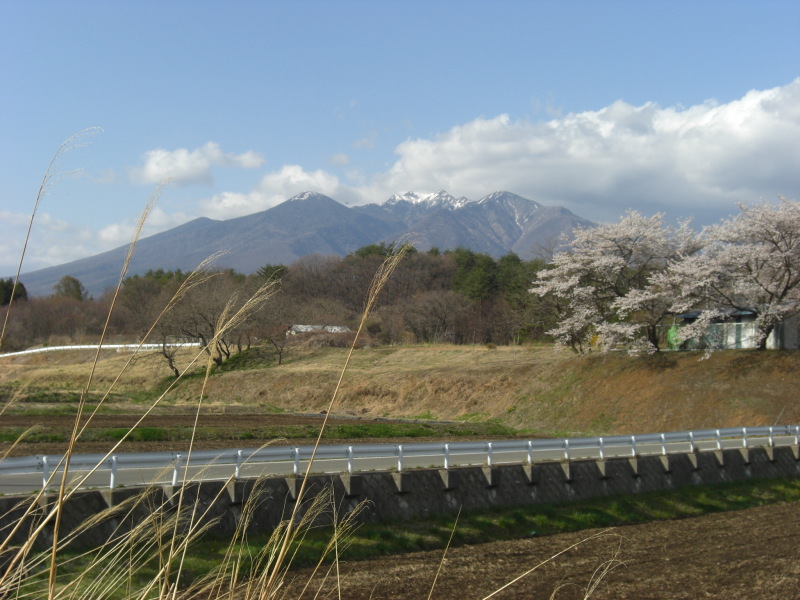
[455,296]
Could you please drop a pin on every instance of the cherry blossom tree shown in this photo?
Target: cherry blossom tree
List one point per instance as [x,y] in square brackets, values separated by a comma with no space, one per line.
[751,262]
[605,288]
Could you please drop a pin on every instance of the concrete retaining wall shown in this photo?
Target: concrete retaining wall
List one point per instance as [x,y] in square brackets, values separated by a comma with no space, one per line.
[407,495]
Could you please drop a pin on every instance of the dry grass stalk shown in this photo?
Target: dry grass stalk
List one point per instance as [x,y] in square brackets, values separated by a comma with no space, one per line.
[81,403]
[552,558]
[444,554]
[378,281]
[50,176]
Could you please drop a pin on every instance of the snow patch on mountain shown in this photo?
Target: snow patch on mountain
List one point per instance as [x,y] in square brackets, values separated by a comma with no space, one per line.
[524,210]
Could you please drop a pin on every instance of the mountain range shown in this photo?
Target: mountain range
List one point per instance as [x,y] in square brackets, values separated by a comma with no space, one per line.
[311,223]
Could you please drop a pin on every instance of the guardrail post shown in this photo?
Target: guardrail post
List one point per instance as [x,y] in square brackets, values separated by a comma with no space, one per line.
[692,451]
[771,447]
[238,464]
[663,445]
[745,449]
[718,453]
[634,457]
[565,463]
[45,473]
[491,476]
[296,468]
[400,478]
[175,470]
[400,458]
[601,462]
[113,480]
[527,470]
[796,445]
[352,483]
[447,476]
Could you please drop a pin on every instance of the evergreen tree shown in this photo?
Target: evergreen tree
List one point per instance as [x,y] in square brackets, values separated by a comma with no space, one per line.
[7,286]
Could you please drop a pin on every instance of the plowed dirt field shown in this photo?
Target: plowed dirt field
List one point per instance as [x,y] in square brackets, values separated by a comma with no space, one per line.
[750,554]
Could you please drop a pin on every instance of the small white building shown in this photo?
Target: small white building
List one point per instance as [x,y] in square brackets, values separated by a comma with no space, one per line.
[295,329]
[739,330]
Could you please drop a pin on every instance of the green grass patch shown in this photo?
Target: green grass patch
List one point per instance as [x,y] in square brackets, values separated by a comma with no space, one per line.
[473,417]
[13,434]
[426,416]
[548,519]
[140,434]
[379,430]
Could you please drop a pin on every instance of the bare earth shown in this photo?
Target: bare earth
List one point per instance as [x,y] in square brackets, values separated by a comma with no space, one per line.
[742,555]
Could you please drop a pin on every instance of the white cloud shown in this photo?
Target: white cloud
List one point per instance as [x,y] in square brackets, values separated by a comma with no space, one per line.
[52,241]
[600,162]
[273,189]
[119,234]
[183,167]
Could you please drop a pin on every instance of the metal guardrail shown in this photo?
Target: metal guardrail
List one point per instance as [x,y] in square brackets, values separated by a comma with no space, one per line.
[485,453]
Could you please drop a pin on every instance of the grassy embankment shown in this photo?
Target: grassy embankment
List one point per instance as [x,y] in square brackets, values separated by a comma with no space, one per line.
[475,390]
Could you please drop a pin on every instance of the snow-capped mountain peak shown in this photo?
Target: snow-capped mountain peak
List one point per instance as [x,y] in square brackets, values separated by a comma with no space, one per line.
[440,199]
[411,197]
[306,196]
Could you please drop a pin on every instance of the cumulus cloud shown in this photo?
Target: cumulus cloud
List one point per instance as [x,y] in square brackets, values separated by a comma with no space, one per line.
[120,234]
[273,189]
[183,167]
[53,241]
[598,163]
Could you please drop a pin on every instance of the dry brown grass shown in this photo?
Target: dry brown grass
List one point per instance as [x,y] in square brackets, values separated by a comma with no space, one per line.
[532,388]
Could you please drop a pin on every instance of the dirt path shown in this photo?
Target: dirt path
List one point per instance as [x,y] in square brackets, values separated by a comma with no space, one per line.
[751,554]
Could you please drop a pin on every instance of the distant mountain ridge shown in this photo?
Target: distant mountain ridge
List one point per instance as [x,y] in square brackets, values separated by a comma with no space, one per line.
[310,223]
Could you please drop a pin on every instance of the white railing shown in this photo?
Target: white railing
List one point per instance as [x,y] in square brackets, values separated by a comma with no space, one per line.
[352,458]
[95,347]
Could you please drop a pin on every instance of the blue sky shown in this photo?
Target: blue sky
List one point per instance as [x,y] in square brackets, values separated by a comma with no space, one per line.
[680,107]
